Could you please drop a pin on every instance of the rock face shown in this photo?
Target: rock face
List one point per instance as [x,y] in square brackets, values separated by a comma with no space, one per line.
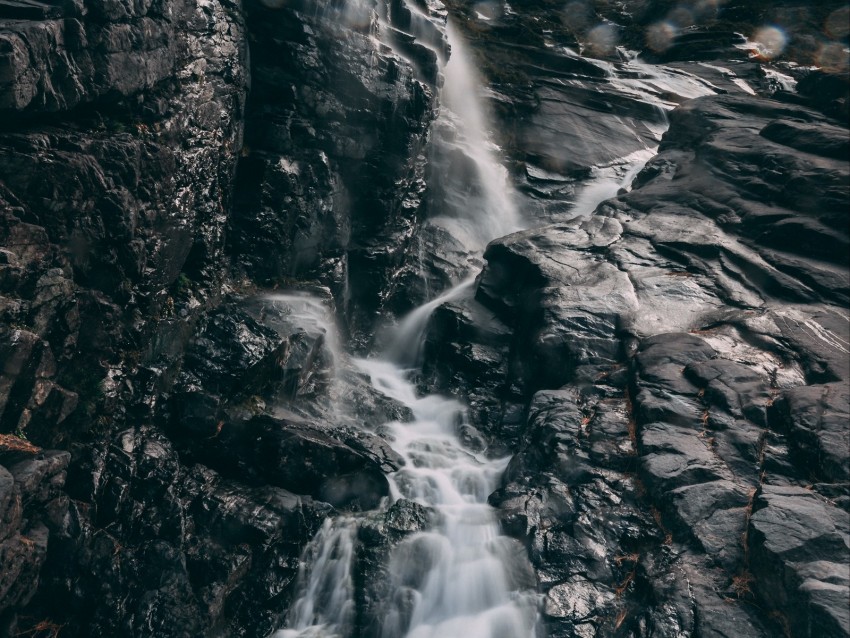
[686,376]
[669,369]
[331,175]
[673,369]
[33,508]
[141,186]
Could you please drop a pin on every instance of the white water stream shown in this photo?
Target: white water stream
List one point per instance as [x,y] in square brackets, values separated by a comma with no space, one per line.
[460,574]
[461,579]
[325,608]
[478,204]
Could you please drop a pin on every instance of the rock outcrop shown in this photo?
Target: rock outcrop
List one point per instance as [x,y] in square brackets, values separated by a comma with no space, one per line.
[673,368]
[141,187]
[684,360]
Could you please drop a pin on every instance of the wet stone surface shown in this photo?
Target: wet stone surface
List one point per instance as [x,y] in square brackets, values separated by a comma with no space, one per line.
[663,352]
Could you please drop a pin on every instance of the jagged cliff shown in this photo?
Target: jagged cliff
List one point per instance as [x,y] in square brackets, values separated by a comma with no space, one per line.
[668,368]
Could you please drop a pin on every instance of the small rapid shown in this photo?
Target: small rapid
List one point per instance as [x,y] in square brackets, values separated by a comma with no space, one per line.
[325,608]
[465,577]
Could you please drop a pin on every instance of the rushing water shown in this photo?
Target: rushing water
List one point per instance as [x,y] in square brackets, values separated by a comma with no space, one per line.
[463,573]
[325,608]
[476,200]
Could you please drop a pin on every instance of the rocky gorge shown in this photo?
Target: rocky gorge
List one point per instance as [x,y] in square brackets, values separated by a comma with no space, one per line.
[383,318]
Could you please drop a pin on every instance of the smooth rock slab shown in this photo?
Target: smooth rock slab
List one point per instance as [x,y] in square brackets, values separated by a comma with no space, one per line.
[800,549]
[815,419]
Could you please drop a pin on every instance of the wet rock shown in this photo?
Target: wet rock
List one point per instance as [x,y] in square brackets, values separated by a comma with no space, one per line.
[306,460]
[332,177]
[114,47]
[234,355]
[119,220]
[466,351]
[294,453]
[383,603]
[717,315]
[830,92]
[188,551]
[714,512]
[735,388]
[369,408]
[33,511]
[14,448]
[31,402]
[544,296]
[799,549]
[815,419]
[674,457]
[576,600]
[405,517]
[567,476]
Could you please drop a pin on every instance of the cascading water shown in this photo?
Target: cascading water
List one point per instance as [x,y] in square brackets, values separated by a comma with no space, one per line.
[462,578]
[326,607]
[468,584]
[405,348]
[476,201]
[310,315]
[462,575]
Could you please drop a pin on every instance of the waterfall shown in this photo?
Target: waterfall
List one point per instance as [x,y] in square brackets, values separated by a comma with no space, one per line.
[462,578]
[325,608]
[408,337]
[461,575]
[474,195]
[311,315]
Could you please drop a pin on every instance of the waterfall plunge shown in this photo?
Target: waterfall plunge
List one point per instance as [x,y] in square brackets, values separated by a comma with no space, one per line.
[476,201]
[468,585]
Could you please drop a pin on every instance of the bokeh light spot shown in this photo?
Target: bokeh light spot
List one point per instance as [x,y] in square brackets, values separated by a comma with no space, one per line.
[602,39]
[660,36]
[770,42]
[838,23]
[834,57]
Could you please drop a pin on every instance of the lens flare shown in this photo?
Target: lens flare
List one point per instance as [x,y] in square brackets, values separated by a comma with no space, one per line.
[602,39]
[769,42]
[837,25]
[834,57]
[660,36]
